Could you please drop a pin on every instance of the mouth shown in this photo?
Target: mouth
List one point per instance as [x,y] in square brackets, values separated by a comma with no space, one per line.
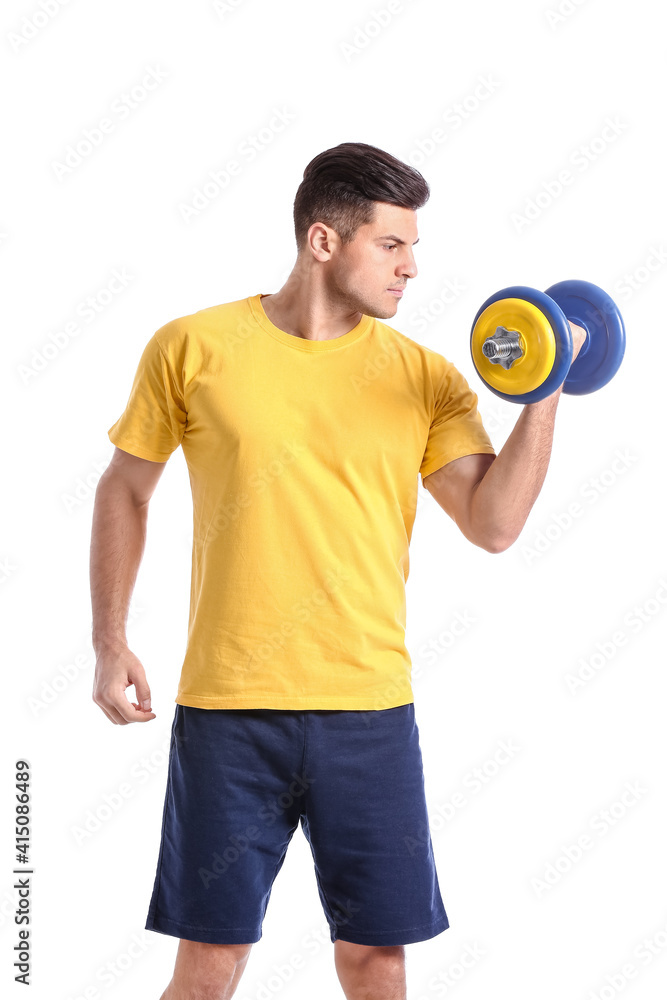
[396,291]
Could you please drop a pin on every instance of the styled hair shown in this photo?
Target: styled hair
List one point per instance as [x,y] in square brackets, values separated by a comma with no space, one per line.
[341,184]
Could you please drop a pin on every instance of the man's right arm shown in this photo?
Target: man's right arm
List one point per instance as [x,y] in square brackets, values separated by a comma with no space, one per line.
[117,545]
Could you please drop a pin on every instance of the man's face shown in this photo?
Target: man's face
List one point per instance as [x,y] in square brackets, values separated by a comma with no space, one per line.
[379,258]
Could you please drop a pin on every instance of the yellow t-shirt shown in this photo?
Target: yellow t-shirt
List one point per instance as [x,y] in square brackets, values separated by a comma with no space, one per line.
[303,457]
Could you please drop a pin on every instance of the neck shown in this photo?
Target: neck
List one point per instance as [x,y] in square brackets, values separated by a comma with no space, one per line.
[304,308]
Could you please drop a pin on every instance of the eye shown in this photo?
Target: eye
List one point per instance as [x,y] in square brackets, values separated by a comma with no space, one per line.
[389,246]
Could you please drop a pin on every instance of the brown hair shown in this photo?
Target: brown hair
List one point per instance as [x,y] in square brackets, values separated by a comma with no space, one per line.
[340,185]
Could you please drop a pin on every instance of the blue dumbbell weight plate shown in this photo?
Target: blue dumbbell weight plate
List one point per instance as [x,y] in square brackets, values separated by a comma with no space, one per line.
[589,306]
[563,338]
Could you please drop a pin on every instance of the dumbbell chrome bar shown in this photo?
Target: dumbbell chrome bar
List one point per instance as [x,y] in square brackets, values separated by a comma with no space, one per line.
[503,348]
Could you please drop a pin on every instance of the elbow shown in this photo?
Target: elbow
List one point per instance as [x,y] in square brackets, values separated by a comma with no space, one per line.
[496,544]
[487,536]
[495,547]
[482,528]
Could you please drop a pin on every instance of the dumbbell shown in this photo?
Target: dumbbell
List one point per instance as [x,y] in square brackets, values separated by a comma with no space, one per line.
[521,342]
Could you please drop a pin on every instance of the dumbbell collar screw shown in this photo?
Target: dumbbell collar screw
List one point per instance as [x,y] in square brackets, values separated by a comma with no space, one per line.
[503,348]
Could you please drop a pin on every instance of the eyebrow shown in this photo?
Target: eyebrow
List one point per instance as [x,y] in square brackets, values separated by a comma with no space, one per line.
[396,239]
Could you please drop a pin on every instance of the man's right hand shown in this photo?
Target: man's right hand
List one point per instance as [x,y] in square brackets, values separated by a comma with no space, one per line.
[115,670]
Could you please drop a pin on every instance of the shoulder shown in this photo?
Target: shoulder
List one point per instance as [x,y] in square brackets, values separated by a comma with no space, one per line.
[200,322]
[200,332]
[433,364]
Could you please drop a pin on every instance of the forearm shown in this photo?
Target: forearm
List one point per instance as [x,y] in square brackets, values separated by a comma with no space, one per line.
[505,496]
[117,544]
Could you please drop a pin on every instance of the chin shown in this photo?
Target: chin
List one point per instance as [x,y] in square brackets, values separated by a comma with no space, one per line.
[385,313]
[381,309]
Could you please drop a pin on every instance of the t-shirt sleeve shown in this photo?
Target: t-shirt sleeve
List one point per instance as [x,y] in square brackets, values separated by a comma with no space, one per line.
[456,426]
[154,420]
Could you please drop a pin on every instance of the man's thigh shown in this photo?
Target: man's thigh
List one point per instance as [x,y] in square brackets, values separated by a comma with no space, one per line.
[367,823]
[227,822]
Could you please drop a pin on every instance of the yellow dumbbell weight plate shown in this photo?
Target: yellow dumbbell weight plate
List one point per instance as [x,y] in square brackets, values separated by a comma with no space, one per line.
[537,341]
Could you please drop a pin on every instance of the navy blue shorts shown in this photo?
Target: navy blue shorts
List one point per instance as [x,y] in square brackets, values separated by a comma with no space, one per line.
[240,781]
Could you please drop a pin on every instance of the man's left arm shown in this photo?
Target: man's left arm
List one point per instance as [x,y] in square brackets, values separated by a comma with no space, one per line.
[490,497]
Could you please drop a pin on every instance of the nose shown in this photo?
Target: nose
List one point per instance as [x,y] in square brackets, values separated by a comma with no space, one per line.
[407,265]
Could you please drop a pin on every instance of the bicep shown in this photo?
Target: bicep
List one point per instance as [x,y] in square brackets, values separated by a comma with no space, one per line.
[138,475]
[453,485]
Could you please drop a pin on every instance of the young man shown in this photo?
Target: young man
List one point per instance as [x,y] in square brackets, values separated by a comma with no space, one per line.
[305,421]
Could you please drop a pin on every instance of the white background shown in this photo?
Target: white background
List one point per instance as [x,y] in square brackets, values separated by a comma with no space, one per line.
[559,596]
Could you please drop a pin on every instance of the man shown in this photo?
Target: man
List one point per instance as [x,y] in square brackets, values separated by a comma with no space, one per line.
[305,422]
